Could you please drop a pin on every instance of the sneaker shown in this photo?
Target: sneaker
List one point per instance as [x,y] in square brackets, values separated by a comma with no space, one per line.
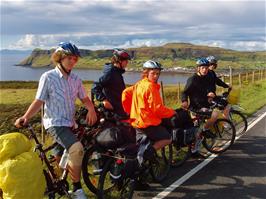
[196,147]
[78,194]
[140,186]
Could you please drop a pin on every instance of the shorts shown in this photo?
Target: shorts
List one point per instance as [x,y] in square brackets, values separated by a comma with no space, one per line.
[64,136]
[154,133]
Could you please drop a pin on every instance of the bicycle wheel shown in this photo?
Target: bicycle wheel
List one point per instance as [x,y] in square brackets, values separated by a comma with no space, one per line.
[239,120]
[161,164]
[224,136]
[109,187]
[180,154]
[90,172]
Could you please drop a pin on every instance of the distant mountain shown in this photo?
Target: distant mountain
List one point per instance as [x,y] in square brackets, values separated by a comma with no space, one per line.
[170,55]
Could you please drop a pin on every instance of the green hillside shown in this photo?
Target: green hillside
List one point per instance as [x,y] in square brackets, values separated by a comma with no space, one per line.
[170,55]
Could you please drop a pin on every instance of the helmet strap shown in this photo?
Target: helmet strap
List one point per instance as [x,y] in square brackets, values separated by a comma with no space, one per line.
[64,69]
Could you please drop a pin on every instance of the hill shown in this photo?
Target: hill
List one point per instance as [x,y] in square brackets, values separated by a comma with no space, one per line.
[170,55]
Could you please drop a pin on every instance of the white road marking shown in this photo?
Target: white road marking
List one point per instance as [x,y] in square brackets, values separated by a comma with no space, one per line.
[188,175]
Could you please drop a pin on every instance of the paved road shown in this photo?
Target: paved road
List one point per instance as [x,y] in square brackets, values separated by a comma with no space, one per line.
[238,173]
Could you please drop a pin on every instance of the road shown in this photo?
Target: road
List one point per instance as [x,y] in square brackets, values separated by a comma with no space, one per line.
[240,172]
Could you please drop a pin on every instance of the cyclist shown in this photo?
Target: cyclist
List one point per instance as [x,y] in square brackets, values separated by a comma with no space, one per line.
[146,108]
[108,89]
[199,90]
[216,80]
[144,104]
[58,90]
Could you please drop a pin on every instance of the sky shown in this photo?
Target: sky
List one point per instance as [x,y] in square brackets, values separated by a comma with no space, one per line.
[94,24]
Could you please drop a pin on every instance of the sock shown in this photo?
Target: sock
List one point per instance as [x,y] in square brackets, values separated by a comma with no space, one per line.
[76,186]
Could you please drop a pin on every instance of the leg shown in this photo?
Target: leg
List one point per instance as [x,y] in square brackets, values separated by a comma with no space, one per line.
[211,121]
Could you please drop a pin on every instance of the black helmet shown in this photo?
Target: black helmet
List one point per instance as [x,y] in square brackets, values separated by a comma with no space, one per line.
[152,65]
[212,60]
[121,54]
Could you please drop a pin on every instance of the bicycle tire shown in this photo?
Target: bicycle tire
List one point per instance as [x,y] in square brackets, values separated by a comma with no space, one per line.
[119,189]
[239,120]
[161,164]
[91,180]
[180,155]
[224,136]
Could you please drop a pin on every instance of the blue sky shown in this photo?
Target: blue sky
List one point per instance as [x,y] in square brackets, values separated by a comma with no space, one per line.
[92,24]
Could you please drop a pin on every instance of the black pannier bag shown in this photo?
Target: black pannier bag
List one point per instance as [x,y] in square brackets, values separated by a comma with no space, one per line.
[113,136]
[181,119]
[183,137]
[110,137]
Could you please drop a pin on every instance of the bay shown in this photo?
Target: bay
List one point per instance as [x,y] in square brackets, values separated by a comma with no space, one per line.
[10,72]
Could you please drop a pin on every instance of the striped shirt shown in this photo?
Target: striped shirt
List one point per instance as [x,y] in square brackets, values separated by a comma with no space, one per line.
[59,95]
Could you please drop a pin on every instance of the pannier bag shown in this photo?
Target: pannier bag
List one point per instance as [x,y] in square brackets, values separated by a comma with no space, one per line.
[110,138]
[183,137]
[21,175]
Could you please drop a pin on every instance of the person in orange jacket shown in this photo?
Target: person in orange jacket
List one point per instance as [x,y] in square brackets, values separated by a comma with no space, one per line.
[144,104]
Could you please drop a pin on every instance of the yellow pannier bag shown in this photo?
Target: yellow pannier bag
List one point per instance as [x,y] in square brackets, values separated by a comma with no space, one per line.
[21,177]
[234,95]
[13,144]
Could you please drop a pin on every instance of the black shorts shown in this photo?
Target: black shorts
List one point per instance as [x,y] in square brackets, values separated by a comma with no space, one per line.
[154,133]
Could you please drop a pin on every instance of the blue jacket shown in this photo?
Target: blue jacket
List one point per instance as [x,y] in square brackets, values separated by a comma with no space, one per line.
[110,86]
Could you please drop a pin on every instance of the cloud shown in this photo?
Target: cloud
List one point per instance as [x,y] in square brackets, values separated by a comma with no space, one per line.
[232,24]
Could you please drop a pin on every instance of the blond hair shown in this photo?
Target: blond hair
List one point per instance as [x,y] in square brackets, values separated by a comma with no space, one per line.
[57,56]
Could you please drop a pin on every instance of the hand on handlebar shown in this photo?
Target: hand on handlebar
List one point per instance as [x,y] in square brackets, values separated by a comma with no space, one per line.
[107,105]
[20,122]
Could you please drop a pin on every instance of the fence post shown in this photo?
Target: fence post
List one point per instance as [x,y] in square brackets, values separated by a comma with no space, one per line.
[239,79]
[230,76]
[246,76]
[178,92]
[162,92]
[253,76]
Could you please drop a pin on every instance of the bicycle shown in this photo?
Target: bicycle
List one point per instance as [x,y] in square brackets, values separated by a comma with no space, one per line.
[235,114]
[55,183]
[221,135]
[123,169]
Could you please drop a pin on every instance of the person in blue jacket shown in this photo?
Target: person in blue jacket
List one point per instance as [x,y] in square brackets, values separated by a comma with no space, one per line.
[108,89]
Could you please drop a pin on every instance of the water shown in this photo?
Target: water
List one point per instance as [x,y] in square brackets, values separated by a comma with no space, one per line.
[10,72]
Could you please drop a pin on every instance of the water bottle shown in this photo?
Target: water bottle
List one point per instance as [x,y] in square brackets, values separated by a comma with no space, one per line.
[174,135]
[64,160]
[96,161]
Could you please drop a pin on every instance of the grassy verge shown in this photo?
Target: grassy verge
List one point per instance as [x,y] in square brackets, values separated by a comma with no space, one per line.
[15,98]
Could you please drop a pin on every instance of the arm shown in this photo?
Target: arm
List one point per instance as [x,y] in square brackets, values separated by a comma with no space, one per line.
[127,99]
[185,93]
[97,87]
[32,110]
[156,103]
[219,82]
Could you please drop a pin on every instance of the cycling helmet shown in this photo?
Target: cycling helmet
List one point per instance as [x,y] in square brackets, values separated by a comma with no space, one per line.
[202,62]
[121,54]
[68,48]
[212,59]
[152,65]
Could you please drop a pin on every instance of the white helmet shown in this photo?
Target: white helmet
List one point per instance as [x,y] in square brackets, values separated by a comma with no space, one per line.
[152,65]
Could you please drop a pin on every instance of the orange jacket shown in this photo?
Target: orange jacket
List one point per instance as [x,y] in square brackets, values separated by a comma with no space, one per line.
[144,104]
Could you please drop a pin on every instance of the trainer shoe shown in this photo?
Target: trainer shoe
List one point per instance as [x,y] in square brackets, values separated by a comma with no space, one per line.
[78,194]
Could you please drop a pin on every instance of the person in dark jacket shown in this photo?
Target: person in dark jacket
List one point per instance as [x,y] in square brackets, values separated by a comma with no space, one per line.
[199,90]
[213,63]
[108,89]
